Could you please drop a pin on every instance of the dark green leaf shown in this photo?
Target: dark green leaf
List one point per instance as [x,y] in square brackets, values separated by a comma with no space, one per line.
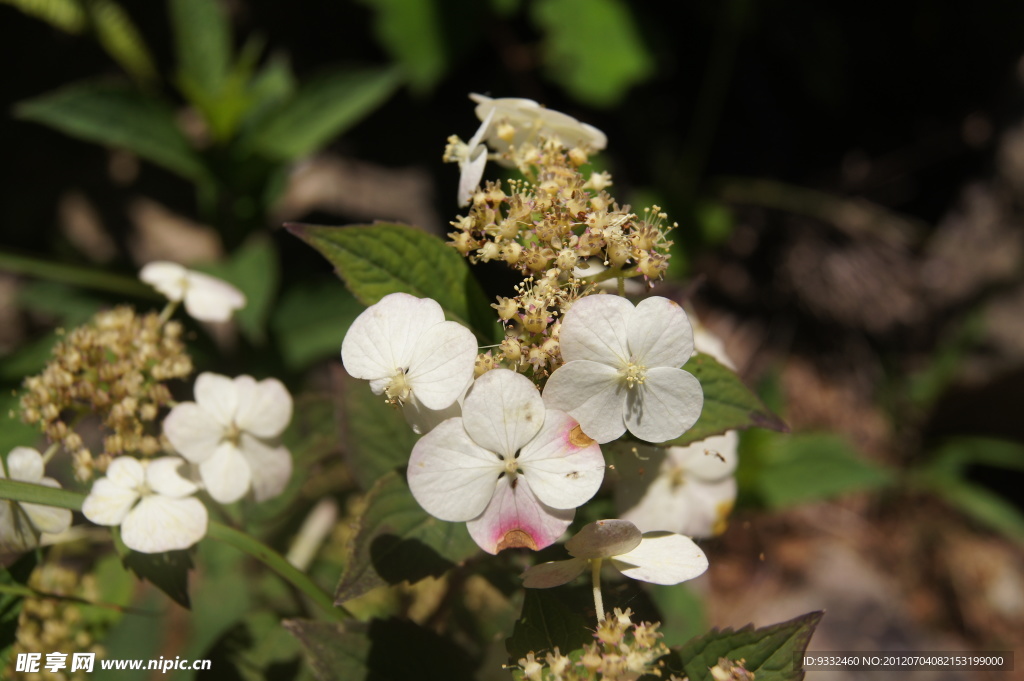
[375,260]
[398,541]
[376,436]
[253,268]
[118,116]
[310,321]
[166,571]
[728,403]
[16,574]
[323,109]
[551,618]
[955,454]
[202,38]
[69,306]
[414,35]
[771,653]
[121,39]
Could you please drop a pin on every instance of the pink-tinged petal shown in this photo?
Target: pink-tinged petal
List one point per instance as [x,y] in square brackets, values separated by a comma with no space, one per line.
[451,476]
[127,472]
[712,458]
[226,474]
[565,467]
[163,478]
[383,338]
[660,334]
[663,558]
[503,411]
[47,518]
[556,573]
[593,394]
[595,329]
[108,503]
[218,396]
[25,464]
[604,539]
[161,524]
[270,465]
[665,406]
[515,518]
[168,278]
[442,364]
[423,420]
[193,432]
[209,299]
[264,408]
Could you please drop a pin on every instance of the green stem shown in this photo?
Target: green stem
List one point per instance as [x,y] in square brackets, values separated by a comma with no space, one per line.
[75,275]
[50,451]
[595,574]
[166,313]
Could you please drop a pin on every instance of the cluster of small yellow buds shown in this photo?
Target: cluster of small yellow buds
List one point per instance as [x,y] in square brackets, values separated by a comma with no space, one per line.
[623,651]
[115,366]
[52,625]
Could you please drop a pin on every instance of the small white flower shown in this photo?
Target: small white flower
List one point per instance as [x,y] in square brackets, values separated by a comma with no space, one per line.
[151,502]
[407,351]
[472,159]
[689,490]
[622,370]
[231,431]
[22,523]
[517,121]
[207,298]
[655,557]
[515,471]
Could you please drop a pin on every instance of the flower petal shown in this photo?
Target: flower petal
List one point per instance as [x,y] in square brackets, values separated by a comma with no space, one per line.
[515,518]
[108,503]
[503,411]
[270,465]
[556,573]
[604,539]
[163,478]
[218,396]
[383,338]
[471,171]
[168,278]
[665,406]
[47,518]
[209,299]
[451,476]
[264,408]
[663,558]
[441,367]
[127,472]
[564,466]
[593,394]
[595,328]
[423,420]
[25,464]
[226,474]
[712,458]
[660,334]
[193,432]
[161,524]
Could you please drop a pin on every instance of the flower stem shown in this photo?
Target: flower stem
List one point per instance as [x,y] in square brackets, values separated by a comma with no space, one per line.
[166,313]
[50,451]
[595,573]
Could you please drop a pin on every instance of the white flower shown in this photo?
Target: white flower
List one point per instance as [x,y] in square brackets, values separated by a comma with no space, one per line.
[230,431]
[689,490]
[517,121]
[656,557]
[511,468]
[22,523]
[472,159]
[622,369]
[207,298]
[407,350]
[151,502]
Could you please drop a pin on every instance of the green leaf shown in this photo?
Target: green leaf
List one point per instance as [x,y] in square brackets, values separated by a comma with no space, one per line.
[67,15]
[980,504]
[202,38]
[118,116]
[166,571]
[310,321]
[593,48]
[957,453]
[121,39]
[812,466]
[728,403]
[375,260]
[13,432]
[70,306]
[321,110]
[377,438]
[683,615]
[771,653]
[412,32]
[254,269]
[551,618]
[16,490]
[397,541]
[16,574]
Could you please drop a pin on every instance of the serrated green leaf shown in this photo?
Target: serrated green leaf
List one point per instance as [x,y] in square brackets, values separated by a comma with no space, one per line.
[399,542]
[310,321]
[202,38]
[321,110]
[728,403]
[772,653]
[551,618]
[376,436]
[118,116]
[413,34]
[375,260]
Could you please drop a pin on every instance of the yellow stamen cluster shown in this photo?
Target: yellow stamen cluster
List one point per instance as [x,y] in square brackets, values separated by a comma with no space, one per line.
[115,366]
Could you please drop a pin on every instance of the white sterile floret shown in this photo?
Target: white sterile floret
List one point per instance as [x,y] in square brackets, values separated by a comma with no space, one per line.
[407,351]
[206,298]
[690,490]
[231,431]
[513,470]
[622,370]
[151,502]
[517,121]
[21,524]
[655,557]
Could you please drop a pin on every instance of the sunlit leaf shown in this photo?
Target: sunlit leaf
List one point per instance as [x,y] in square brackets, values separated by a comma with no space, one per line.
[121,39]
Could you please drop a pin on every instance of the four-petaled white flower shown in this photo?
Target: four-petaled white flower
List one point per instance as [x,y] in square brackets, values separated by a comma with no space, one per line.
[207,298]
[22,523]
[515,471]
[622,370]
[517,121]
[230,431]
[151,502]
[689,490]
[407,350]
[656,557]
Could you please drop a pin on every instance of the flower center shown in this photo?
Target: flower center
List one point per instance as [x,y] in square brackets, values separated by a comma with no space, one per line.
[399,389]
[677,478]
[233,434]
[633,373]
